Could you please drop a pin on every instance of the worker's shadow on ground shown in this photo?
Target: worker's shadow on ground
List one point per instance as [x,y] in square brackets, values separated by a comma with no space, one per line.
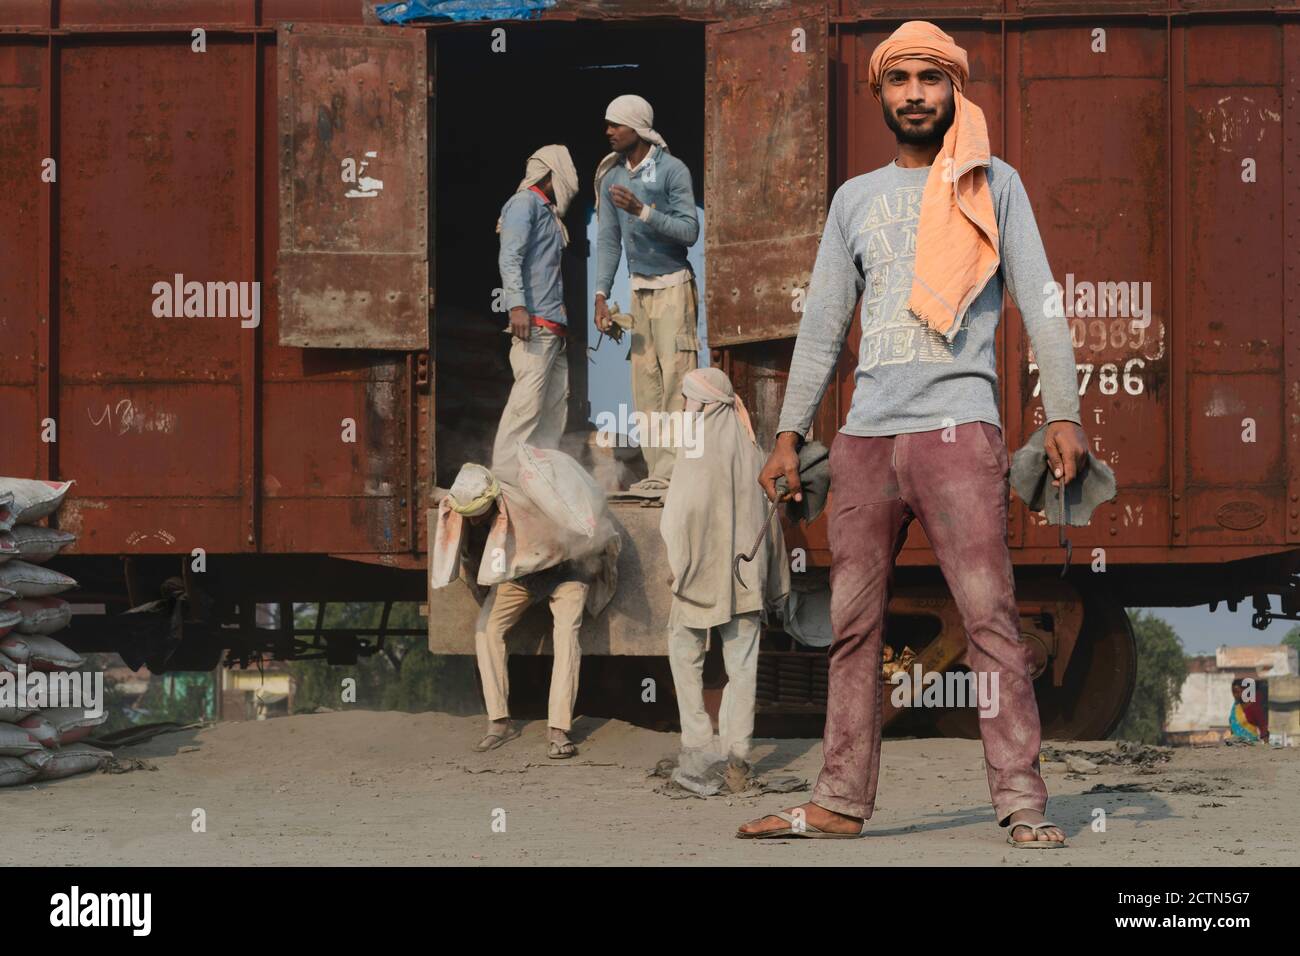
[784,753]
[1073,813]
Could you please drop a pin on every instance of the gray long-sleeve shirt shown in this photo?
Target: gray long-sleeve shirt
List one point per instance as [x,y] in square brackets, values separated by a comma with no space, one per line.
[910,378]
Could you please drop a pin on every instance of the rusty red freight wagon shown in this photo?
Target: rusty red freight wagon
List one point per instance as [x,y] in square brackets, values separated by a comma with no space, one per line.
[278,435]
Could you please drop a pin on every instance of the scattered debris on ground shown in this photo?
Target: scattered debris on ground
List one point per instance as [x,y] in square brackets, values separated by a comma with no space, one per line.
[1122,753]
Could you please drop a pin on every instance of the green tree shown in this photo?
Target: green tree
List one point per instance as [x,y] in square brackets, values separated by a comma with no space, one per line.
[1161,668]
[1292,638]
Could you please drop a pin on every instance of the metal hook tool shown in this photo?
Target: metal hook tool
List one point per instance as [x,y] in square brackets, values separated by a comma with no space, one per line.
[1064,541]
[735,565]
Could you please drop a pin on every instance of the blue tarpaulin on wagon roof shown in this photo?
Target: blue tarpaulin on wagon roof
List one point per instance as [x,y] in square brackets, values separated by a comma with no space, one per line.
[462,9]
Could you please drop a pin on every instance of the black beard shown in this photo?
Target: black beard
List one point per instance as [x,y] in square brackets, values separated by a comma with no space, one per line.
[913,137]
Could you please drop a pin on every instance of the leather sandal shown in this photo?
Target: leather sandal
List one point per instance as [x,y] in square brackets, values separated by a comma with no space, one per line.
[1035,844]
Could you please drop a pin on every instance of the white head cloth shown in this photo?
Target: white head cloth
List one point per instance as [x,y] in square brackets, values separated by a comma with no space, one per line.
[636,112]
[555,161]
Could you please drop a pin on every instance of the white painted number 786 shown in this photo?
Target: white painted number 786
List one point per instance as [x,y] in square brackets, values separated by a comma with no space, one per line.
[1108,377]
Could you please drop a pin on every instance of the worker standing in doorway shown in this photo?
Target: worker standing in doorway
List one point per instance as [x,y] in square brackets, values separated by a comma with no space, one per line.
[928,242]
[645,206]
[533,238]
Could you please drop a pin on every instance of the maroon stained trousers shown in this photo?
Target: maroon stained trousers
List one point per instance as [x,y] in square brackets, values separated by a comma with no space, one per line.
[958,491]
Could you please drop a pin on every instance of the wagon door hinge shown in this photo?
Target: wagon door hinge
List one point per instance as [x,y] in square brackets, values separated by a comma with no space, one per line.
[422,377]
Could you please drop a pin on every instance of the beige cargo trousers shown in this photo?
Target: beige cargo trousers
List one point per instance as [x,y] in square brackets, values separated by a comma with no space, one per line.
[538,407]
[505,605]
[665,347]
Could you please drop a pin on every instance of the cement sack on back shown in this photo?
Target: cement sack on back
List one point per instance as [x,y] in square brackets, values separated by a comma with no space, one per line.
[39,652]
[561,489]
[16,741]
[37,544]
[36,615]
[32,580]
[8,546]
[67,761]
[14,771]
[33,499]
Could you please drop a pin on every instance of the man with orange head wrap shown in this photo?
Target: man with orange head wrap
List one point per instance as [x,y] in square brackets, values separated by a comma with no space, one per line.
[928,243]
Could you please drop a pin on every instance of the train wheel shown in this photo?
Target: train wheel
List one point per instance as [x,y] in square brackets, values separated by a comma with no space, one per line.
[1099,681]
[1098,684]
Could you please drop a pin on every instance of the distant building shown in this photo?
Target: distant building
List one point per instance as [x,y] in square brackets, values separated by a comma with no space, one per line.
[1201,716]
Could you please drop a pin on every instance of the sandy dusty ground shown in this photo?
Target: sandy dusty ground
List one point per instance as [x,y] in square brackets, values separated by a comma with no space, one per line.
[394,788]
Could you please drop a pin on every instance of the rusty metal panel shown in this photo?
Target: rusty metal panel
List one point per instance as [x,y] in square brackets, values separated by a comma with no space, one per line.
[353,266]
[149,189]
[313,485]
[766,170]
[1290,306]
[1097,169]
[309,11]
[917,9]
[26,13]
[1232,286]
[127,440]
[1095,9]
[153,185]
[339,449]
[187,13]
[20,286]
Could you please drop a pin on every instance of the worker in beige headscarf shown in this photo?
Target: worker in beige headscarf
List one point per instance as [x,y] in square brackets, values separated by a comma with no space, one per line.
[533,238]
[646,208]
[715,508]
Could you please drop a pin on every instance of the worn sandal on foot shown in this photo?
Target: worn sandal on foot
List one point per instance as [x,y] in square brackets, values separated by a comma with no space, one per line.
[561,751]
[493,741]
[808,831]
[1035,844]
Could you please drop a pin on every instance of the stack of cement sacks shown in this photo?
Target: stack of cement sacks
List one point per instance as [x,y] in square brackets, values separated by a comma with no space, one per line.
[37,743]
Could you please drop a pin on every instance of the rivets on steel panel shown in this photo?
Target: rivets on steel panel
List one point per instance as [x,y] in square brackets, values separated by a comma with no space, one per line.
[1113,531]
[1177,514]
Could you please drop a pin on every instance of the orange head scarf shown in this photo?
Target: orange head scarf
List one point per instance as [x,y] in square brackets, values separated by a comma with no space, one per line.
[957,237]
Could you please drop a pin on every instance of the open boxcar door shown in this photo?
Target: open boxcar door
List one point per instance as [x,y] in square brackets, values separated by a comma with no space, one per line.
[354,191]
[766,172]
